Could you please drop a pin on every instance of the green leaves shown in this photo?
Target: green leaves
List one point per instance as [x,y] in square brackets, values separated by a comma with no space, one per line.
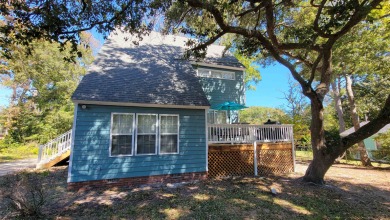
[252,73]
[63,21]
[42,83]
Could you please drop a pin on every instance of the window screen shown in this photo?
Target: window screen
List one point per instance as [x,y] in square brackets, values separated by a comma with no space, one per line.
[169,133]
[122,134]
[146,134]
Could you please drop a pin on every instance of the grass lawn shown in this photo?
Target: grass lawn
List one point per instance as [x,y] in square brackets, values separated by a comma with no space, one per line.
[18,152]
[351,193]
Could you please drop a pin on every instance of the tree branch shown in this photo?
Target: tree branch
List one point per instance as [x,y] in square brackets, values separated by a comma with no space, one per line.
[306,88]
[115,17]
[359,14]
[209,42]
[316,20]
[314,68]
[294,46]
[255,9]
[269,14]
[313,4]
[299,58]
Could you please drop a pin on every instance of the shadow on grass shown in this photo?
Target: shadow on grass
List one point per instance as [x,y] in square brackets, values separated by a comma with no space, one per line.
[231,198]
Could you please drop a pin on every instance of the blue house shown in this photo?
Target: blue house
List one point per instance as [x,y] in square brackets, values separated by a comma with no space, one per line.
[142,111]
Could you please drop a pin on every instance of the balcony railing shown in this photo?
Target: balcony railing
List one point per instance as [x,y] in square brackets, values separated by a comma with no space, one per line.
[242,133]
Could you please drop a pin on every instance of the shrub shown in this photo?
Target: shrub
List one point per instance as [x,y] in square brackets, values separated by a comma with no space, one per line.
[24,193]
[18,151]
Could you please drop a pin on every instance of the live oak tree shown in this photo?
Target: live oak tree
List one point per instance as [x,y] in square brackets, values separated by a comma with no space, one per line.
[41,85]
[296,34]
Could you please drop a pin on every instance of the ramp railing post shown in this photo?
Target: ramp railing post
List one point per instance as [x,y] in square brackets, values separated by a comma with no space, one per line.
[40,153]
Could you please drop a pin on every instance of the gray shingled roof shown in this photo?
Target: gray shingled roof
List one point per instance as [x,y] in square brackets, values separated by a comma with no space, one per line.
[151,72]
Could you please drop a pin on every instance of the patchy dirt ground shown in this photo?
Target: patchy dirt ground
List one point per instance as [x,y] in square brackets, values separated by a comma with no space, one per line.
[351,193]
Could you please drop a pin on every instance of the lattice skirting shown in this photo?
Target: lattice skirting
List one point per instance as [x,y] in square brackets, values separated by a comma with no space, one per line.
[238,160]
[231,163]
[274,161]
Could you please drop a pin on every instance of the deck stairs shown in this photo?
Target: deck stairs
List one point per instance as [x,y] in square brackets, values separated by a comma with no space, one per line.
[55,151]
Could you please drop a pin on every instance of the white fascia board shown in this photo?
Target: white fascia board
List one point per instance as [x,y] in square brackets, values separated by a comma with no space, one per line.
[138,104]
[217,66]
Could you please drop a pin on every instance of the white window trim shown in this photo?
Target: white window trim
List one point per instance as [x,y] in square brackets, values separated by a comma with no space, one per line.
[210,75]
[156,133]
[132,141]
[178,134]
[217,66]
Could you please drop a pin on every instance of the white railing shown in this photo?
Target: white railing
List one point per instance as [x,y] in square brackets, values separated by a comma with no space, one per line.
[55,147]
[242,133]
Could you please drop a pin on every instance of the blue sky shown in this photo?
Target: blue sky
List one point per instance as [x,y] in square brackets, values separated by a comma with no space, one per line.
[269,91]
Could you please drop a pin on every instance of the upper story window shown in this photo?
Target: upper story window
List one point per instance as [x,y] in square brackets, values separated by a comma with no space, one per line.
[218,74]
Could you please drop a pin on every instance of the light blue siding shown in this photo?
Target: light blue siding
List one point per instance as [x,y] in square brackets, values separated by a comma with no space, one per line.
[222,90]
[91,159]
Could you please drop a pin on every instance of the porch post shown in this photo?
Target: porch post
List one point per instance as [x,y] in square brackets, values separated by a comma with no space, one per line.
[255,157]
[293,147]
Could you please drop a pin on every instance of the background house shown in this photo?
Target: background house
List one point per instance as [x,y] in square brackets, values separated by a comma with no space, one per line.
[370,143]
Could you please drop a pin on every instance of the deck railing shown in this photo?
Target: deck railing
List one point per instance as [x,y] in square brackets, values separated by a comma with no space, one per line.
[55,147]
[242,133]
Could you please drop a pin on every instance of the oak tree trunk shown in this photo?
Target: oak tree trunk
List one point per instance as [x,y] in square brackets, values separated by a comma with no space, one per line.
[322,158]
[355,121]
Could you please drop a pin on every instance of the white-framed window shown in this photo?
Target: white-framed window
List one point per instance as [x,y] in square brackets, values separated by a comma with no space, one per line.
[169,134]
[218,74]
[146,138]
[217,117]
[122,134]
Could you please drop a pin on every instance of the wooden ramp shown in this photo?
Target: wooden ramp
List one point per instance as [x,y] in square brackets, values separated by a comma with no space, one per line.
[55,151]
[56,160]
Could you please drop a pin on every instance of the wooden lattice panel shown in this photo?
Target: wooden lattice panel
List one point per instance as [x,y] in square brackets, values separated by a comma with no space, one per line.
[274,161]
[238,160]
[230,161]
